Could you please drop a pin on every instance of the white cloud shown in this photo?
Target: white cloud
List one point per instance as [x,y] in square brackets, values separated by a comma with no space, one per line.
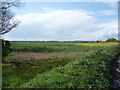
[60,25]
[107,30]
[108,12]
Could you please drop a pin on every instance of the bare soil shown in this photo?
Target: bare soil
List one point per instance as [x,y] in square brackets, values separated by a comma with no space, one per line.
[32,56]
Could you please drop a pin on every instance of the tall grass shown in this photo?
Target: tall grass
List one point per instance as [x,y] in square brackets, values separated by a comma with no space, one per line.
[14,75]
[89,72]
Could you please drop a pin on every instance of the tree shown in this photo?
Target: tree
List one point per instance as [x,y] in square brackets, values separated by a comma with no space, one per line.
[7,22]
[97,41]
[111,40]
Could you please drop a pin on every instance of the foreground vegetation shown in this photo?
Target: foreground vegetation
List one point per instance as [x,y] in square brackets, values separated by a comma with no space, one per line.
[78,71]
[89,72]
[14,75]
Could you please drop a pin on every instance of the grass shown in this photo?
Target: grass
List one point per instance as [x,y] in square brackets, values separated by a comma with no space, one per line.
[14,75]
[48,47]
[89,72]
[79,71]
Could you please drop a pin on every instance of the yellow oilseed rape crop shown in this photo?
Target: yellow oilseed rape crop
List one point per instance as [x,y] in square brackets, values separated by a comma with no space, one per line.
[99,44]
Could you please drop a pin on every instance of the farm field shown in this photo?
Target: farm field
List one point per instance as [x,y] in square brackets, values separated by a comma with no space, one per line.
[59,65]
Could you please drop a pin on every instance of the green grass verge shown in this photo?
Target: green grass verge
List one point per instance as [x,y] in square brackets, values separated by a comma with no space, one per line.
[89,72]
[14,75]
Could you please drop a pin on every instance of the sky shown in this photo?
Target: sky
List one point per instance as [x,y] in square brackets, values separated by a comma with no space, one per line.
[65,21]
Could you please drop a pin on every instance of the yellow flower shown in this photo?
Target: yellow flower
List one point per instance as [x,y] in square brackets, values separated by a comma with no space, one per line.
[99,44]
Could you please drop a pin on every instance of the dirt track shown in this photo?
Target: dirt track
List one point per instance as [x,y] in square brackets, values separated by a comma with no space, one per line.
[31,56]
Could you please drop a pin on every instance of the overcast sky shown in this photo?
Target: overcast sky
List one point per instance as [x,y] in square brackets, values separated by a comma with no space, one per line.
[65,21]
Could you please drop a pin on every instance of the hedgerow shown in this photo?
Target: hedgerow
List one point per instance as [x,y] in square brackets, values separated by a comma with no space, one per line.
[92,71]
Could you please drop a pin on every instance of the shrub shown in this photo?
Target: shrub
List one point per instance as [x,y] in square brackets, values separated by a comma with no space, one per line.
[111,40]
[5,49]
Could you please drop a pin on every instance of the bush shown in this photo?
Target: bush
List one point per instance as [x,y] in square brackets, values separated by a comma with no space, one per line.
[5,48]
[111,40]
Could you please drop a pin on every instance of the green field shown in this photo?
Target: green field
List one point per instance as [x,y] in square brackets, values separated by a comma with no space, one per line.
[48,47]
[87,66]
